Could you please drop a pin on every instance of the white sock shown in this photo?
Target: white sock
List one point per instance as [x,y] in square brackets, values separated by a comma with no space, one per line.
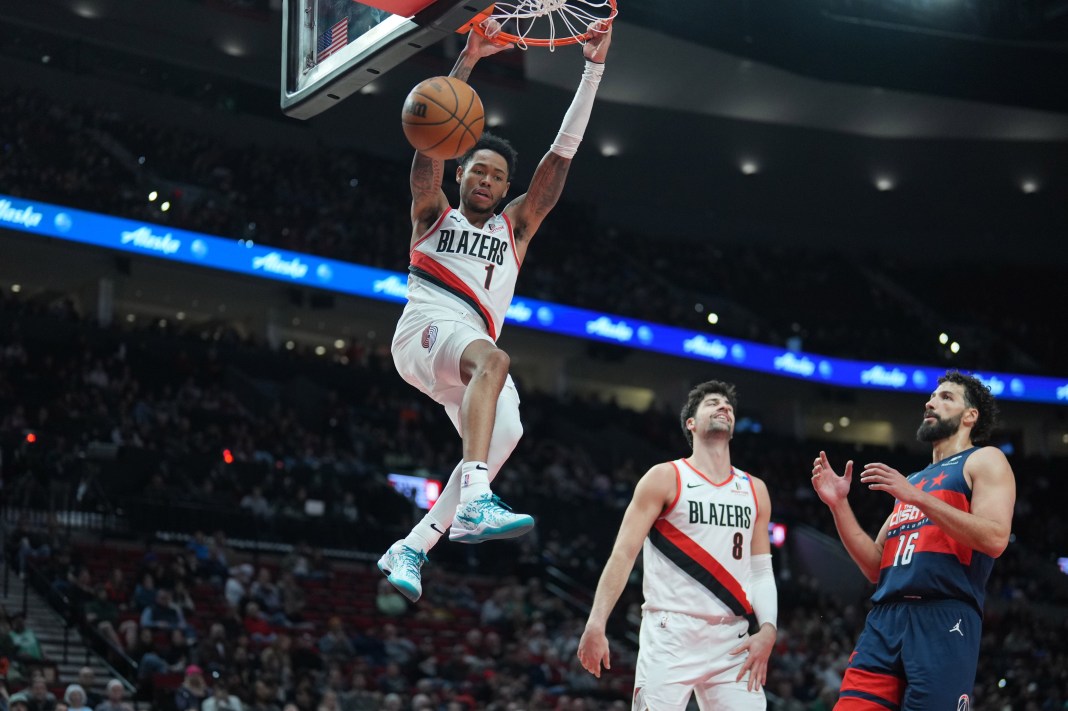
[425,535]
[474,481]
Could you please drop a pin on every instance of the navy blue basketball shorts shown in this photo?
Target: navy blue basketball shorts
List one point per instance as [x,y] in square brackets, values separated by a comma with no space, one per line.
[914,656]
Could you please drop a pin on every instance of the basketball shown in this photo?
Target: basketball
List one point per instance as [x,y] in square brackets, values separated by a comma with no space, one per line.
[442,117]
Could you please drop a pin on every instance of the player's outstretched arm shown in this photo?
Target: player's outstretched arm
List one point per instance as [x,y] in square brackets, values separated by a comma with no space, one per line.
[833,490]
[655,490]
[529,210]
[428,199]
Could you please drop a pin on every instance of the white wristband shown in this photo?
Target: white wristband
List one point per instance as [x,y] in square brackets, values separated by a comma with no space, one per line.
[578,114]
[762,591]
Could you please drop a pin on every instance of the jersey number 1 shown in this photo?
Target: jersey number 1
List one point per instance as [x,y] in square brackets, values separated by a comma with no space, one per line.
[489,274]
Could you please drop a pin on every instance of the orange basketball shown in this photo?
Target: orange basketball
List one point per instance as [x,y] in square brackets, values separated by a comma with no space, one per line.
[442,117]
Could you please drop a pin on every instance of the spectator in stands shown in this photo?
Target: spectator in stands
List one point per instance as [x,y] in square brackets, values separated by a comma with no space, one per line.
[347,509]
[398,649]
[8,651]
[221,700]
[388,601]
[31,544]
[214,652]
[38,696]
[116,698]
[293,598]
[335,645]
[193,691]
[103,615]
[117,588]
[256,503]
[145,592]
[269,597]
[329,701]
[162,614]
[264,697]
[27,648]
[237,586]
[182,599]
[87,680]
[18,702]
[257,626]
[76,698]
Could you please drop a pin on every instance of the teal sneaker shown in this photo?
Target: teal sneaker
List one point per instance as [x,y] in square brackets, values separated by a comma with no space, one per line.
[487,518]
[401,565]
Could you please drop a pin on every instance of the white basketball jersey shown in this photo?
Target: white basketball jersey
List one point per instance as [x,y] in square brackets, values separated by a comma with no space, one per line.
[696,556]
[476,265]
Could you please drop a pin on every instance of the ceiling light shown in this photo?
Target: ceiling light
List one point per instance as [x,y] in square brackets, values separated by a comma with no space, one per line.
[495,119]
[609,150]
[884,183]
[750,167]
[233,47]
[86,9]
[713,318]
[1029,186]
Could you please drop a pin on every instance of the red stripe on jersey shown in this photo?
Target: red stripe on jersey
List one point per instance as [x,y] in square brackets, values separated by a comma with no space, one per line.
[432,230]
[885,686]
[932,539]
[436,270]
[700,556]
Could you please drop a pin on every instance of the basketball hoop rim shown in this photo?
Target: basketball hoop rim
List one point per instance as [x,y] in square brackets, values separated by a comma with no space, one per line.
[524,42]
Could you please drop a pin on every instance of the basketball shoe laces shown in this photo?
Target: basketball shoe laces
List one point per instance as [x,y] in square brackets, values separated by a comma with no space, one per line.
[409,561]
[494,511]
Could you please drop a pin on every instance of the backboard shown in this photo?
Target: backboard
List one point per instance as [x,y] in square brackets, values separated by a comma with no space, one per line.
[332,48]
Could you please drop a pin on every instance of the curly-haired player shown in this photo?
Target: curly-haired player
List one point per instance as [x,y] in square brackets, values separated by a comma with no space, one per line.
[931,560]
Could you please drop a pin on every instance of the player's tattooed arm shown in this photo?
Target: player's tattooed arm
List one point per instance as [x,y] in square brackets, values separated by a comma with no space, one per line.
[477,47]
[527,211]
[427,174]
[428,199]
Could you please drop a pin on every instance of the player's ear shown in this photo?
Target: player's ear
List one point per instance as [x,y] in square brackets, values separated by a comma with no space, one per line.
[459,172]
[969,417]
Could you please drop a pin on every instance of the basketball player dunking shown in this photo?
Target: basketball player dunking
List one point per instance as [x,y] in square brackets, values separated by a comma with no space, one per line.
[708,622]
[464,265]
[931,559]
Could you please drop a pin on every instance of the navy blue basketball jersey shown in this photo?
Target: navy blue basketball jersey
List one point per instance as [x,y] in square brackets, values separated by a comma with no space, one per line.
[920,561]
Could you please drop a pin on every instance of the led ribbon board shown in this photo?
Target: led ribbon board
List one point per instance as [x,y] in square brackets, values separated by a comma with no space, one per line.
[153,240]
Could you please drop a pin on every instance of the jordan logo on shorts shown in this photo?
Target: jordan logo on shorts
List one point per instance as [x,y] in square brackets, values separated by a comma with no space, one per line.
[430,334]
[956,628]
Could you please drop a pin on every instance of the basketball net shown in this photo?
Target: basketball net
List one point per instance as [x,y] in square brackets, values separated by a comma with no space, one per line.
[545,23]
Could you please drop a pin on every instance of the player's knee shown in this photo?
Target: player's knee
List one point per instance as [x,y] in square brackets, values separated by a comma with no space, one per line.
[496,365]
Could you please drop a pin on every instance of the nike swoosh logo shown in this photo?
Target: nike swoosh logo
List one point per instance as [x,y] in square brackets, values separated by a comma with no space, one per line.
[481,468]
[435,527]
[693,486]
[741,635]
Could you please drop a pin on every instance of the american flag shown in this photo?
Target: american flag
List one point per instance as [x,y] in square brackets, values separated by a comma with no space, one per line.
[332,40]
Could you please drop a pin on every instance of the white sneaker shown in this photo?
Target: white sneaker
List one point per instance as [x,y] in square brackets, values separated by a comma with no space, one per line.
[487,518]
[401,565]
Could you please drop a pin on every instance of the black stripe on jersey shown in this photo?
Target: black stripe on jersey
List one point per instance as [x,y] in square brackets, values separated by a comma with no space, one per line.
[427,276]
[701,575]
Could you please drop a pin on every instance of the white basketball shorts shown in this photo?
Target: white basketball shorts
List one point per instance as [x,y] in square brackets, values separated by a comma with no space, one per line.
[427,346]
[680,655]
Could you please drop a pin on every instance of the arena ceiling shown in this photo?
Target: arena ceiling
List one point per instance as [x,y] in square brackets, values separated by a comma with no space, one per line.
[851,120]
